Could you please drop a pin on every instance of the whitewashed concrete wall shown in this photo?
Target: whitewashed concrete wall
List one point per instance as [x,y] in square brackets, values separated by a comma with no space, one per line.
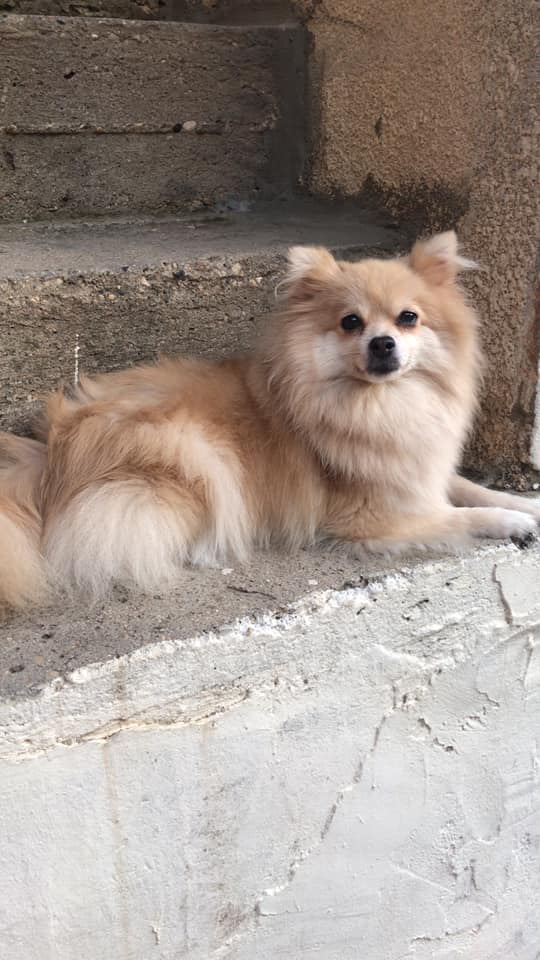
[359,779]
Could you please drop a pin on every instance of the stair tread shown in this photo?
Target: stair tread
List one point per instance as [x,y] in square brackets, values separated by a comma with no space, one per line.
[110,245]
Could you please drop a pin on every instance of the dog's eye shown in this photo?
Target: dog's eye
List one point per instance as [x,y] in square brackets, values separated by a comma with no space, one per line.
[407,318]
[352,322]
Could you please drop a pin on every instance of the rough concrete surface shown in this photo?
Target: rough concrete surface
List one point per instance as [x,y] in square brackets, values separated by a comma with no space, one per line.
[128,9]
[355,778]
[433,106]
[52,642]
[200,11]
[83,297]
[145,116]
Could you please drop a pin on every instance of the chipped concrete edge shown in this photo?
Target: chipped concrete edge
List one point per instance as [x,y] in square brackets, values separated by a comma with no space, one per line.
[186,681]
[173,683]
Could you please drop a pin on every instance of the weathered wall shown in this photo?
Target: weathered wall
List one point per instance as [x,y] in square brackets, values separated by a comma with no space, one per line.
[432,107]
[357,778]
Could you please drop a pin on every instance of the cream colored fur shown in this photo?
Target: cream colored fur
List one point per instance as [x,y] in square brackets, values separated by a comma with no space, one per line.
[143,471]
[22,572]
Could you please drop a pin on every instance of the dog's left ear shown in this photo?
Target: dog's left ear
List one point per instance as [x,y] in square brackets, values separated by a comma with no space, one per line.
[310,269]
[306,260]
[437,260]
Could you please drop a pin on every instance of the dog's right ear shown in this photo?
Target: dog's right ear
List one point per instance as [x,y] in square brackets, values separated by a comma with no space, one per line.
[309,268]
[309,260]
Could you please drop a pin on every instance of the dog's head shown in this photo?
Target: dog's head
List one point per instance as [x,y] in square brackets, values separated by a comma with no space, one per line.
[376,320]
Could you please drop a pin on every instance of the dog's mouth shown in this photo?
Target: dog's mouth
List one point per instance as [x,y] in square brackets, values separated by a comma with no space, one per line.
[381,368]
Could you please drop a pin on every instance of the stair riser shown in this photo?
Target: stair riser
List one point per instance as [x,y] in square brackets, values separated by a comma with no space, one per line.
[107,321]
[106,102]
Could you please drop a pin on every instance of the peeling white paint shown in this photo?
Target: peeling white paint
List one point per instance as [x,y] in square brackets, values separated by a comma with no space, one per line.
[356,780]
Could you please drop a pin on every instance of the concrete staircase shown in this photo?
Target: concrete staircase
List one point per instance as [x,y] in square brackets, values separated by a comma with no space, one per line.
[151,184]
[308,757]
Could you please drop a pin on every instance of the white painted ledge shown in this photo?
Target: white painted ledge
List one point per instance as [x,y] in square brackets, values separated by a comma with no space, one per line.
[356,780]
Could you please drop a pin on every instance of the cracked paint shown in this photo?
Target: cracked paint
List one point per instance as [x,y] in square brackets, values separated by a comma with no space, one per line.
[260,910]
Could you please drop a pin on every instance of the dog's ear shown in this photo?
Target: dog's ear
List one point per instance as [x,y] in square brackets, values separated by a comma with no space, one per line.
[437,260]
[307,260]
[309,269]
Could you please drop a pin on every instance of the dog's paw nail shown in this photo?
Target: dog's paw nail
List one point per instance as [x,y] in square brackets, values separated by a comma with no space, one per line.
[524,541]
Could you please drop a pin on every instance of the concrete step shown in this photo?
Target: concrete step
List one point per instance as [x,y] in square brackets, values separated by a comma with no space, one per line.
[52,642]
[353,776]
[110,115]
[98,295]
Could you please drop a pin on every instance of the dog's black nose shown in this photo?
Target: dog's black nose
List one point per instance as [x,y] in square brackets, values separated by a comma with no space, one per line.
[382,348]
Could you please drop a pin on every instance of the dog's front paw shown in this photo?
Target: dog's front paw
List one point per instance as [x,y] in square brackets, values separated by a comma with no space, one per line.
[519,527]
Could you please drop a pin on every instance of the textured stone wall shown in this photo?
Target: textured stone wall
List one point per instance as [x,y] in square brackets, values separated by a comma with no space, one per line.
[432,108]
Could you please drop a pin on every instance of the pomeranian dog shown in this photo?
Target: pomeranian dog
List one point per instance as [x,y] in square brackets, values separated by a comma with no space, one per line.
[347,423]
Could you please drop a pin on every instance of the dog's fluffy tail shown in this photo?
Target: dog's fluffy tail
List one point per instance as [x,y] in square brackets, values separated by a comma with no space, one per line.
[22,571]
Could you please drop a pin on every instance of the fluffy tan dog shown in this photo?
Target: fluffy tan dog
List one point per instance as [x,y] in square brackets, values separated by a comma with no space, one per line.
[349,423]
